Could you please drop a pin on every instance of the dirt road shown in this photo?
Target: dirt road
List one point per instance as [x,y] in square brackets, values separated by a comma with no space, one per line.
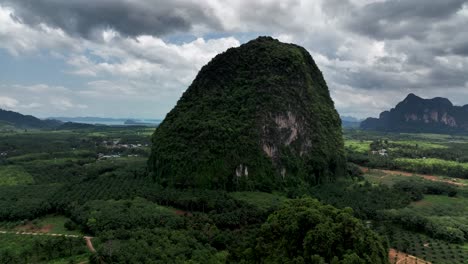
[89,243]
[410,174]
[398,257]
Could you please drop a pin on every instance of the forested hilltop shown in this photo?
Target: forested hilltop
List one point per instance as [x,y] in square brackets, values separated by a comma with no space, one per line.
[17,120]
[259,117]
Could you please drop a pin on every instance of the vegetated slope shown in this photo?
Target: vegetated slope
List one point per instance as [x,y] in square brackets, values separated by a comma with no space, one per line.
[255,117]
[306,231]
[415,114]
[26,121]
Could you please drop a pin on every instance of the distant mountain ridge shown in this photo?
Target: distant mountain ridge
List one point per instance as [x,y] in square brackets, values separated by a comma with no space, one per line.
[11,120]
[350,122]
[415,114]
[26,121]
[350,119]
[109,120]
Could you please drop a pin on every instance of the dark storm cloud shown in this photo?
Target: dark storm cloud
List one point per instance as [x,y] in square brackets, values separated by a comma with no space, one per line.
[270,16]
[461,49]
[367,78]
[424,42]
[418,71]
[400,18]
[369,53]
[129,17]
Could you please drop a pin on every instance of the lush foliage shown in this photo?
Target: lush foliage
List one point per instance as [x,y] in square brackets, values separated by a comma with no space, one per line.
[408,219]
[438,216]
[25,201]
[99,216]
[365,199]
[156,246]
[433,166]
[417,188]
[305,231]
[38,249]
[135,220]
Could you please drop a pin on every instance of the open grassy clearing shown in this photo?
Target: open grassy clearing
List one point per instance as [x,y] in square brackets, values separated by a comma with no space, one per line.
[364,145]
[56,224]
[440,205]
[52,224]
[360,146]
[389,177]
[375,176]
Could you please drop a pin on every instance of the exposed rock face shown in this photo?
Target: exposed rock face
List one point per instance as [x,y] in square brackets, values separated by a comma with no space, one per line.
[415,114]
[256,117]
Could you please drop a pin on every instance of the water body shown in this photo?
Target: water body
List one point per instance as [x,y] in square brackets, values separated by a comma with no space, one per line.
[109,121]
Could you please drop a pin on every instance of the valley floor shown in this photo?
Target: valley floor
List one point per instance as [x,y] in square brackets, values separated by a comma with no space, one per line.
[79,196]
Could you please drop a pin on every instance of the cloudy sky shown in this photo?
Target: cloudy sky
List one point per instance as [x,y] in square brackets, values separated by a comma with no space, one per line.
[134,58]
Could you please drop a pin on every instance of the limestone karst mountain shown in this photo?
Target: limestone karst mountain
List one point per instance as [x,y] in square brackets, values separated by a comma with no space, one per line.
[415,114]
[256,117]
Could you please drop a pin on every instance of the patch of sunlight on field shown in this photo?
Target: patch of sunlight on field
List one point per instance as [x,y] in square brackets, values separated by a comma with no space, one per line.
[407,163]
[380,177]
[362,146]
[427,136]
[148,131]
[420,144]
[97,134]
[14,175]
